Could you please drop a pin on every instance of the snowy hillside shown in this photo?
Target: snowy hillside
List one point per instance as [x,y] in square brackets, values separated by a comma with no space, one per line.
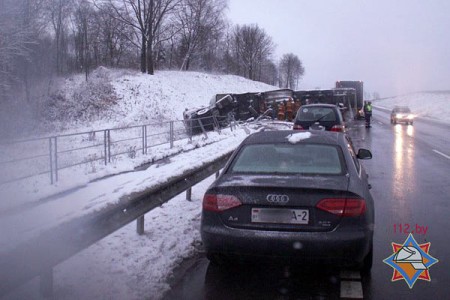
[433,105]
[135,98]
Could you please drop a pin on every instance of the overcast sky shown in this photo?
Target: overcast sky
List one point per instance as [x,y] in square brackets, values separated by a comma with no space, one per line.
[394,46]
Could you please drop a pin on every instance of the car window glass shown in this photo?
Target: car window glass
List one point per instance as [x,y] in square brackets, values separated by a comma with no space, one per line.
[288,158]
[351,149]
[402,110]
[316,113]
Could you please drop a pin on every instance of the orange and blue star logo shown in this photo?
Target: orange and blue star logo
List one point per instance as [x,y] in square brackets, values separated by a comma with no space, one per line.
[411,261]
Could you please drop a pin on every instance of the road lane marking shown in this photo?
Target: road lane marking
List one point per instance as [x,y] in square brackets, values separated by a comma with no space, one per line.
[351,286]
[351,290]
[442,154]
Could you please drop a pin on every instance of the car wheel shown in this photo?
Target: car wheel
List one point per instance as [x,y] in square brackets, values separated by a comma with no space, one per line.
[202,111]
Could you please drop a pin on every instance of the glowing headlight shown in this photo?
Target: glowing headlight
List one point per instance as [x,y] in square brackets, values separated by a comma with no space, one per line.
[410,116]
[399,116]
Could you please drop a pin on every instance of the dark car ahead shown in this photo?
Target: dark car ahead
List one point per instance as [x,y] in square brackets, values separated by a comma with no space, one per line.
[290,195]
[319,117]
[402,114]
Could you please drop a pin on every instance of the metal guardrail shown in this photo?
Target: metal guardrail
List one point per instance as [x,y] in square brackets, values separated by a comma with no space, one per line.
[38,256]
[47,156]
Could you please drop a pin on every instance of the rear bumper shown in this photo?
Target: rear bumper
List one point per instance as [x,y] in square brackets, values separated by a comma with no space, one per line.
[341,247]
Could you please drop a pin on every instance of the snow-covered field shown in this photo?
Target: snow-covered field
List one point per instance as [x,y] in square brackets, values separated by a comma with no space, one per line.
[430,105]
[125,265]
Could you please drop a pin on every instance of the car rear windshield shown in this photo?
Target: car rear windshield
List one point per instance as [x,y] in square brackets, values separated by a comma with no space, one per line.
[316,114]
[297,158]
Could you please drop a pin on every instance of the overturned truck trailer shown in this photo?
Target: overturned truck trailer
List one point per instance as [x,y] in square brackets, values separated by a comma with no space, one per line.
[225,108]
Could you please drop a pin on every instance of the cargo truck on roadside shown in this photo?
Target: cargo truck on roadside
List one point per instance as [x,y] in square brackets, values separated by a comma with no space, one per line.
[359,87]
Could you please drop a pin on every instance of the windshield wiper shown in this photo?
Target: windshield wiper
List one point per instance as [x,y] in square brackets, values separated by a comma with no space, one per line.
[322,117]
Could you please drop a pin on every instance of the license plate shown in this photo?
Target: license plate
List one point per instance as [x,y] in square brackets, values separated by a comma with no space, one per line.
[280,215]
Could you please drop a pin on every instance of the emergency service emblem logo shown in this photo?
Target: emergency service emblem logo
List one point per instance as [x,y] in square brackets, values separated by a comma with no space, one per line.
[411,261]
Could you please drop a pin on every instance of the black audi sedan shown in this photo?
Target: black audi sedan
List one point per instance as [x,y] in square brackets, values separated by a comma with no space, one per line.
[290,195]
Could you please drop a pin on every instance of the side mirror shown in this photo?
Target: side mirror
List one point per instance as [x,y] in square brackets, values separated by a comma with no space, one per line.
[364,154]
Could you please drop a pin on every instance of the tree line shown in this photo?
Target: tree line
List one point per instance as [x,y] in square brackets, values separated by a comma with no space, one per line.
[41,39]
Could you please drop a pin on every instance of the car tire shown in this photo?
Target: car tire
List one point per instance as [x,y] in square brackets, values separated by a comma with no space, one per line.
[202,111]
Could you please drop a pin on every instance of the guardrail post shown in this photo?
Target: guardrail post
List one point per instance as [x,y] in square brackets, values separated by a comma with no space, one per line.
[50,159]
[202,127]
[46,283]
[140,225]
[146,140]
[109,146]
[230,119]
[189,194]
[143,139]
[171,134]
[216,124]
[188,125]
[105,147]
[56,158]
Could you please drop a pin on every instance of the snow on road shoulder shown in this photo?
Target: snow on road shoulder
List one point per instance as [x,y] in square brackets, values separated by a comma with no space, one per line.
[29,222]
[125,265]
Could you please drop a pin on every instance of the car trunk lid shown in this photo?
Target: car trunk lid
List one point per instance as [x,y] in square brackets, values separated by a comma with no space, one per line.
[289,203]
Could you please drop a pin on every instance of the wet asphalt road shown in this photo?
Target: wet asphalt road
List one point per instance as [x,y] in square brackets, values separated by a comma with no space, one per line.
[410,177]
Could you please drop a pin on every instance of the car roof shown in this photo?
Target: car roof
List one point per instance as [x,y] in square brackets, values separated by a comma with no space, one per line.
[319,105]
[401,107]
[281,136]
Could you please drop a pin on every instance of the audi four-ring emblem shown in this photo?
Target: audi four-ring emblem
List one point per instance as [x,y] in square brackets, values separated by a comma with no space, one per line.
[273,198]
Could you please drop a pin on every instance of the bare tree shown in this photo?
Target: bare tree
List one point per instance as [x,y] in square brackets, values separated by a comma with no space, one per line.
[59,12]
[291,71]
[83,16]
[114,36]
[200,21]
[269,73]
[19,33]
[146,17]
[252,46]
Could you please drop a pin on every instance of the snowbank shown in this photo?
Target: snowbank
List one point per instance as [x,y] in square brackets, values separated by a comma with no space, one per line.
[432,105]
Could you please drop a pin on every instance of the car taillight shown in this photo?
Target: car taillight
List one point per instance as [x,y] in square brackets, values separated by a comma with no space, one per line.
[298,127]
[343,206]
[338,128]
[217,203]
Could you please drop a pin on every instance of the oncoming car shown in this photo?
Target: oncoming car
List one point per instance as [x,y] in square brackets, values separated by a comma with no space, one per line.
[319,117]
[295,196]
[402,114]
